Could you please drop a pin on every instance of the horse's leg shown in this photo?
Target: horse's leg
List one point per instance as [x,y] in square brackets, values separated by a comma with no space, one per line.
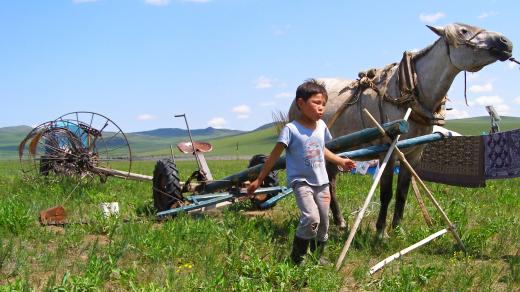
[385,197]
[403,184]
[332,172]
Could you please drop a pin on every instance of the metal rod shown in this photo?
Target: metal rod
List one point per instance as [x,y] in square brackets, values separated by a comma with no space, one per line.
[191,139]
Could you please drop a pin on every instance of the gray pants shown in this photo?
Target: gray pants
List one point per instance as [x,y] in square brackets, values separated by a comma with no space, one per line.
[313,202]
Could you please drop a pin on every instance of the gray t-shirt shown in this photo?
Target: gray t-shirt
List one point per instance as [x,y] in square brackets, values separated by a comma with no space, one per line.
[305,152]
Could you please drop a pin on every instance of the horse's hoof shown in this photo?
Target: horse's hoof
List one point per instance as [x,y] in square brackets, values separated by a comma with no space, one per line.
[342,224]
[381,235]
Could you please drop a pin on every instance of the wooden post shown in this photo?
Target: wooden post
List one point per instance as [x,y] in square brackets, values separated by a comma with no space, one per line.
[361,213]
[420,201]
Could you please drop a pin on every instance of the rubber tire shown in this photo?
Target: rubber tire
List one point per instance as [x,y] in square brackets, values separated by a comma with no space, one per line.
[166,179]
[271,180]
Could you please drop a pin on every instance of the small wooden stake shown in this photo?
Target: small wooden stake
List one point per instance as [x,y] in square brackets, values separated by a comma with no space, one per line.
[397,255]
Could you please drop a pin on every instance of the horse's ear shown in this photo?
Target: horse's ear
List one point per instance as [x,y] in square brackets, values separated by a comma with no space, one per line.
[438,30]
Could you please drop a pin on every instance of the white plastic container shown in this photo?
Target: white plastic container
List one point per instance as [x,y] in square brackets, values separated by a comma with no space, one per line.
[110,209]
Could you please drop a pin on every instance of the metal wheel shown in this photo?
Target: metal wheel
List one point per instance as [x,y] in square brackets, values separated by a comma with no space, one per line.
[78,144]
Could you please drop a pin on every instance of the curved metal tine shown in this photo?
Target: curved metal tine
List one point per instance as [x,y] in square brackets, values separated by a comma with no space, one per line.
[69,121]
[90,126]
[57,149]
[101,133]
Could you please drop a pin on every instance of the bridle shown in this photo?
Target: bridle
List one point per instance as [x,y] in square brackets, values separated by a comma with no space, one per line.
[469,43]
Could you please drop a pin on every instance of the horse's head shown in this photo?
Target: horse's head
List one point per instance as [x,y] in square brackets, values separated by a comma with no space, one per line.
[471,48]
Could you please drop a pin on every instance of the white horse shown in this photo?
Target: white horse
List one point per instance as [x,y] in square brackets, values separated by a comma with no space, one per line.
[420,81]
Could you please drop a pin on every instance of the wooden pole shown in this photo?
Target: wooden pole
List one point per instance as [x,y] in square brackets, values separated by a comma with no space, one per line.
[404,161]
[361,213]
[420,201]
[397,255]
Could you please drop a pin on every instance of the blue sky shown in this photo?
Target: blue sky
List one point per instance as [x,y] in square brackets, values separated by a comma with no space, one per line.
[225,63]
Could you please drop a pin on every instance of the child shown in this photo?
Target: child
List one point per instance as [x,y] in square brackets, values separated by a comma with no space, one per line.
[304,142]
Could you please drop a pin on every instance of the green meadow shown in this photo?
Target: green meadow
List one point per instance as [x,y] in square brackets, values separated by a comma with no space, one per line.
[237,248]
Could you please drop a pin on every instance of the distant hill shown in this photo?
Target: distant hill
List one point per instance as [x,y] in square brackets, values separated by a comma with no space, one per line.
[176,132]
[10,137]
[479,125]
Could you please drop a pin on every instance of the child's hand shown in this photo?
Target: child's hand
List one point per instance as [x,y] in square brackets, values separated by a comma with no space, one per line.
[252,187]
[348,164]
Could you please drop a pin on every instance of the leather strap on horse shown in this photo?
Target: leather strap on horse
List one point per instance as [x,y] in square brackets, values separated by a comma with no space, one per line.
[361,84]
[409,93]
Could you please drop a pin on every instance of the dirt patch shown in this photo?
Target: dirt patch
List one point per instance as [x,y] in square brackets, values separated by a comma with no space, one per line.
[59,230]
[91,239]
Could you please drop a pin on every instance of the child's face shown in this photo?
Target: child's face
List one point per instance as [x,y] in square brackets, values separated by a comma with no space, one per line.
[314,107]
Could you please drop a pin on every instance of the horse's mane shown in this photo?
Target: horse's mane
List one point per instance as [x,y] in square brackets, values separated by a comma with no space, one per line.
[424,51]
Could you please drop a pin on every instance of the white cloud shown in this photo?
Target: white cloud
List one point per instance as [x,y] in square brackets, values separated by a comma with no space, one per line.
[456,114]
[517,100]
[487,14]
[157,2]
[496,101]
[489,100]
[242,111]
[481,88]
[284,95]
[502,109]
[84,1]
[217,123]
[146,117]
[267,103]
[431,18]
[263,82]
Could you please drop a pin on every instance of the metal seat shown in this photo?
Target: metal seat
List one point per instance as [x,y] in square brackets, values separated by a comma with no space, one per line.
[186,147]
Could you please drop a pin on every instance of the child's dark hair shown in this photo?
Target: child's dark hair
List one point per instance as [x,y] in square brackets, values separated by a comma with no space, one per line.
[309,88]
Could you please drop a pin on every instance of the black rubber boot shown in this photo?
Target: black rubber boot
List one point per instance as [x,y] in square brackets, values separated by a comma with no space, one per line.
[299,249]
[317,249]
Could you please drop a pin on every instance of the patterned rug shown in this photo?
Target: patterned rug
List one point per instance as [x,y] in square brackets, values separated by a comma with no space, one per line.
[457,161]
[502,155]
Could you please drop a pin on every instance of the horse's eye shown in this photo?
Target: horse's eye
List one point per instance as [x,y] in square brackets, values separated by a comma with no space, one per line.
[463,31]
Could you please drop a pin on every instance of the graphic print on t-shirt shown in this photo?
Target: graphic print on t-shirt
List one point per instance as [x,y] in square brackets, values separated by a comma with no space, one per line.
[313,156]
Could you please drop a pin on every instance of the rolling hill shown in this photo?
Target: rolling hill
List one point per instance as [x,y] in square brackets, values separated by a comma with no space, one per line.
[227,143]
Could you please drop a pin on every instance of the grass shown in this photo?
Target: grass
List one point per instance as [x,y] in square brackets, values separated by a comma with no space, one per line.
[481,125]
[234,250]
